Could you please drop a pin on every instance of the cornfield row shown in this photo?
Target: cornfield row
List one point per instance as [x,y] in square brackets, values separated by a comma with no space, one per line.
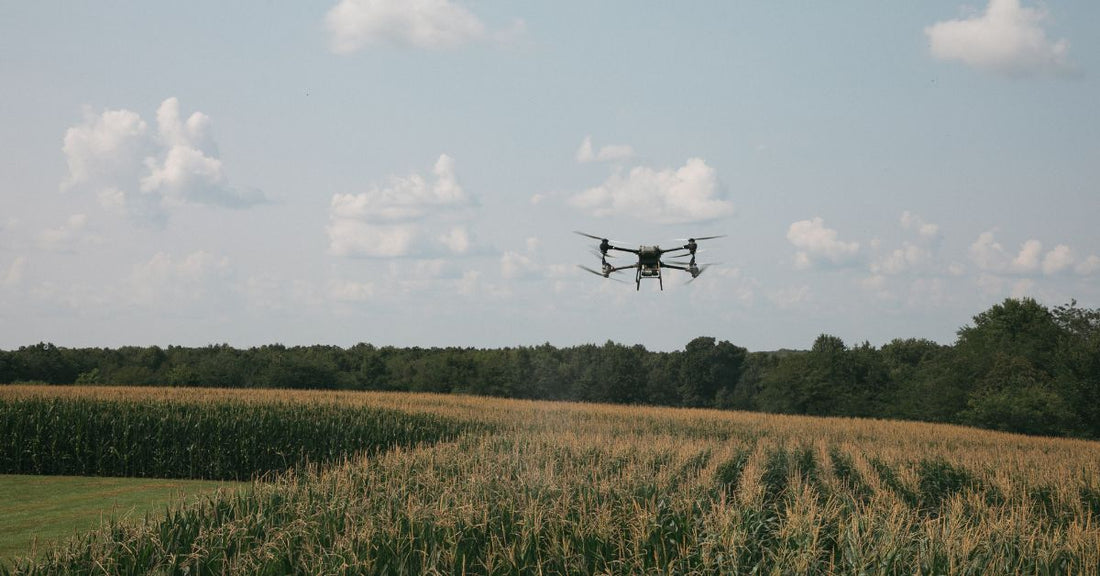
[570,489]
[211,440]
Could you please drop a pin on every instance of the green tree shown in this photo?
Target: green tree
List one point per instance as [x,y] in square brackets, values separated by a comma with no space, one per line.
[708,367]
[1078,377]
[1016,327]
[1016,397]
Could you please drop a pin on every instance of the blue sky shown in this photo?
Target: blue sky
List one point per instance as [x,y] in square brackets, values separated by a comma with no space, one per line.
[410,172]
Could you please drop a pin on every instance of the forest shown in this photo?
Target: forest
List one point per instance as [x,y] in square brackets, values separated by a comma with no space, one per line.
[1019,367]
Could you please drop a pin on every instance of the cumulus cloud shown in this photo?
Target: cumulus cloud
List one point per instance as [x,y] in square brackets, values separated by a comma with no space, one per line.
[819,246]
[901,260]
[516,264]
[187,170]
[609,153]
[1027,261]
[457,240]
[133,170]
[429,24]
[686,194]
[1006,37]
[405,198]
[913,254]
[105,148]
[925,230]
[1057,260]
[173,282]
[410,214]
[991,257]
[1088,266]
[64,238]
[987,253]
[348,237]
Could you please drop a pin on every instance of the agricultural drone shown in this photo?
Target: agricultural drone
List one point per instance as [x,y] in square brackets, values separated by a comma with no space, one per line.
[649,264]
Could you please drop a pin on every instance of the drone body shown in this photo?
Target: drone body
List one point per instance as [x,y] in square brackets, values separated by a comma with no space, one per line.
[649,264]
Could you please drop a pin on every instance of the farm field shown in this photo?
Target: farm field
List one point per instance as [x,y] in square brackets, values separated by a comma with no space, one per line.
[44,510]
[558,488]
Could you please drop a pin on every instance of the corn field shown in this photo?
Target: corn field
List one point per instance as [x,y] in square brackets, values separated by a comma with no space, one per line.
[555,488]
[210,440]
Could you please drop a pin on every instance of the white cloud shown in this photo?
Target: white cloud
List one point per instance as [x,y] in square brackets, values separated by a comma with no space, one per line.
[348,237]
[818,245]
[405,198]
[901,260]
[14,274]
[64,238]
[408,215]
[515,265]
[348,291]
[430,24]
[912,255]
[470,283]
[609,153]
[1007,37]
[925,230]
[129,169]
[1057,260]
[687,194]
[187,170]
[790,296]
[1022,288]
[1088,266]
[168,282]
[992,258]
[927,293]
[987,253]
[1027,261]
[457,240]
[105,148]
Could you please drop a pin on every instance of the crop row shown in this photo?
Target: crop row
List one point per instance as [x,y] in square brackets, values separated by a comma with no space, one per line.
[560,504]
[558,488]
[208,440]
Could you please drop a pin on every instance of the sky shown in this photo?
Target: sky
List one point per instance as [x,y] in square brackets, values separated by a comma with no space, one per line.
[411,172]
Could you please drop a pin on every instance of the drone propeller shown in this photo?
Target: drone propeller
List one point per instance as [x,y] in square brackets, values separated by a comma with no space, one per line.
[597,273]
[700,271]
[700,238]
[602,239]
[598,254]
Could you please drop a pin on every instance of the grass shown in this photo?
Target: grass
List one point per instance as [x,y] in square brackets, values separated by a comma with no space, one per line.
[40,511]
[559,488]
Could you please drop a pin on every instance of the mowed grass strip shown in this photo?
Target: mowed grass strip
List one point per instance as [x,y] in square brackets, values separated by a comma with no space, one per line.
[38,512]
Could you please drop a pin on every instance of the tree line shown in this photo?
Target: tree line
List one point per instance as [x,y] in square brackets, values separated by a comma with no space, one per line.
[1020,367]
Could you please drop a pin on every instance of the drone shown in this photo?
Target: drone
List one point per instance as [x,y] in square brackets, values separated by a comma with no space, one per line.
[649,264]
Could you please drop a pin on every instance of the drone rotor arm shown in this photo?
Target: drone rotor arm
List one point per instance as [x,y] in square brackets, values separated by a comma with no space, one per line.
[675,267]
